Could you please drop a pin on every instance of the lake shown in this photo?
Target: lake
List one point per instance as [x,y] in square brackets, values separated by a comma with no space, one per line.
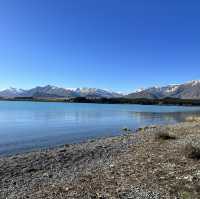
[25,126]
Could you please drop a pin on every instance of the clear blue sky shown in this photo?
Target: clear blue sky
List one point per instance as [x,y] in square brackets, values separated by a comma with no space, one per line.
[115,44]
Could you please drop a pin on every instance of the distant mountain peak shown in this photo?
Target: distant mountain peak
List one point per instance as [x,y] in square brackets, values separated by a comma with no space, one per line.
[194,82]
[188,90]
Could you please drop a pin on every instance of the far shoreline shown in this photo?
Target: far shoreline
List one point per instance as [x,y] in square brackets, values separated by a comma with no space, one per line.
[138,101]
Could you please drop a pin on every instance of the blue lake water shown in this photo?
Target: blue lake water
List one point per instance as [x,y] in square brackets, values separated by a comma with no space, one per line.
[29,125]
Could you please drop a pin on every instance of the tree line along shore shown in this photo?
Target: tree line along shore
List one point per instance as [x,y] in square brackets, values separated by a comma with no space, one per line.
[142,101]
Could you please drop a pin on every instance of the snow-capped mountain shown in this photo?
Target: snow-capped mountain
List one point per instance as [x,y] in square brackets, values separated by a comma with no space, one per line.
[189,90]
[54,91]
[11,92]
[49,91]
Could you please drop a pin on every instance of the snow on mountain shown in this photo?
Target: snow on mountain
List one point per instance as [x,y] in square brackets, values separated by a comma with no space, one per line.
[171,89]
[193,82]
[139,90]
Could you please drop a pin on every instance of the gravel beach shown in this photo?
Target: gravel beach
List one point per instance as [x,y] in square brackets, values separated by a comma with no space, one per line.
[153,162]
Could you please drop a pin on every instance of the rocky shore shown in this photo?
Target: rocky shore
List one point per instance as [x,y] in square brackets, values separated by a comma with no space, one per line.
[154,162]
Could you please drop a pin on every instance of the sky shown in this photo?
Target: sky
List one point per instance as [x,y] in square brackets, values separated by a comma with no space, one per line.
[119,45]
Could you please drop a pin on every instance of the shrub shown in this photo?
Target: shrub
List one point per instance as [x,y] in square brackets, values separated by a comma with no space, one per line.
[126,129]
[192,151]
[164,136]
[186,195]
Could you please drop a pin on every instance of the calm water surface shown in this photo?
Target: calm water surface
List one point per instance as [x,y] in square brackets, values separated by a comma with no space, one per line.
[29,125]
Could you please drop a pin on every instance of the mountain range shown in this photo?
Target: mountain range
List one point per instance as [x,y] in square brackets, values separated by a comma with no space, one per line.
[56,92]
[188,90]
